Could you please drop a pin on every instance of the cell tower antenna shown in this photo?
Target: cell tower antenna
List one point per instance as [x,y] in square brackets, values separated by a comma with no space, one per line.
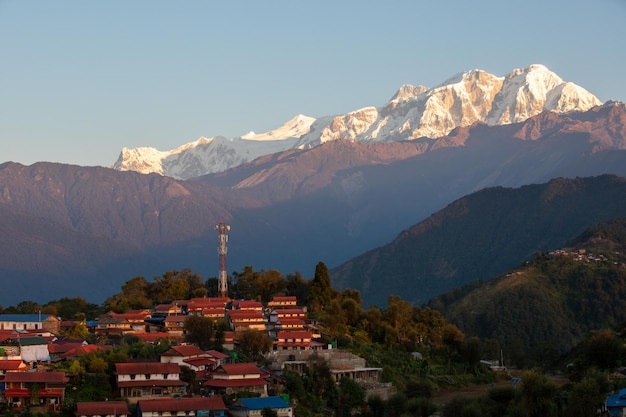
[222,249]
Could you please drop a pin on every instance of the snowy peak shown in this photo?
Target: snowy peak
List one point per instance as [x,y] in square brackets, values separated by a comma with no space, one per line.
[294,128]
[413,112]
[216,154]
[470,97]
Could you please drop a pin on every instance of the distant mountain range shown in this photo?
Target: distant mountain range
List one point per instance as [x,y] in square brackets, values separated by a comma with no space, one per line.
[70,230]
[482,235]
[412,113]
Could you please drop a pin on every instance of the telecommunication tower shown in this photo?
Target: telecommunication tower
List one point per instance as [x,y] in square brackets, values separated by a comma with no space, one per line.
[222,249]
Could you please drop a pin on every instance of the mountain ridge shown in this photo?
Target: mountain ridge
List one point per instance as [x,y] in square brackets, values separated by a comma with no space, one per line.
[288,211]
[481,235]
[412,112]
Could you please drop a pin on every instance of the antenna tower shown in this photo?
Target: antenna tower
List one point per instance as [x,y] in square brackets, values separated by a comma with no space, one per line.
[222,249]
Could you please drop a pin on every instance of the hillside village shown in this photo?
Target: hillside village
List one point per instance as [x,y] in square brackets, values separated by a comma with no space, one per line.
[32,344]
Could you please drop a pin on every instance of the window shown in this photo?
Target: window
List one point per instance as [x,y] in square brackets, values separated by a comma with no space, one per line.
[132,377]
[147,376]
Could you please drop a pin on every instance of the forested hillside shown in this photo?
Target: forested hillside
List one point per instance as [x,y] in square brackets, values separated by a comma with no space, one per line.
[482,235]
[546,306]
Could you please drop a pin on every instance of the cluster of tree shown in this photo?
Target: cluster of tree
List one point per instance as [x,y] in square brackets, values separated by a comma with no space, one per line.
[536,395]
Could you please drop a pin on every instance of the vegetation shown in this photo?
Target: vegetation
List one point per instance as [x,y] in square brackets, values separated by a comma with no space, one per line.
[542,309]
[561,312]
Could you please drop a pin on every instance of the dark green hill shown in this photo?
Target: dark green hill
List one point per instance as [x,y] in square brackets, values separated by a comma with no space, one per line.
[480,236]
[547,306]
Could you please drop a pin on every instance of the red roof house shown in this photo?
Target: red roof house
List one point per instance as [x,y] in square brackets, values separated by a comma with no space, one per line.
[235,377]
[102,408]
[208,406]
[148,379]
[46,389]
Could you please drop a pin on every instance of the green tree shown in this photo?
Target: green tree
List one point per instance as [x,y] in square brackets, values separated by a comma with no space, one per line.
[537,394]
[321,292]
[135,291]
[269,284]
[604,349]
[588,395]
[199,331]
[268,412]
[319,382]
[98,365]
[254,344]
[172,285]
[421,407]
[189,377]
[243,285]
[297,286]
[351,397]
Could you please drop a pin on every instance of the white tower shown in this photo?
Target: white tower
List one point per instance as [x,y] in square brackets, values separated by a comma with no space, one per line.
[222,249]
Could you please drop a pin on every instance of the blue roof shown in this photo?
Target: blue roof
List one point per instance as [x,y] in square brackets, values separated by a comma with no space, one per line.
[30,318]
[617,400]
[260,403]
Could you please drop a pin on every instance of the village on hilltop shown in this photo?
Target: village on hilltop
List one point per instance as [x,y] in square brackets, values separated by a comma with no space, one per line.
[30,343]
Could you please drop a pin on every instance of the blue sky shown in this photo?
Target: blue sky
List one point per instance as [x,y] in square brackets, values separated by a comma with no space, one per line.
[81,79]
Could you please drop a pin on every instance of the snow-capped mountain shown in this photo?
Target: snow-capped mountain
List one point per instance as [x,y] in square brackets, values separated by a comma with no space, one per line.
[413,112]
[215,154]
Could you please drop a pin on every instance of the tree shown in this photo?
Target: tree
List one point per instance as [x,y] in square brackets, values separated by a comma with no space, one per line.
[254,344]
[351,396]
[537,394]
[319,381]
[421,407]
[604,349]
[269,283]
[297,286]
[321,292]
[268,412]
[136,291]
[588,395]
[199,331]
[98,365]
[170,286]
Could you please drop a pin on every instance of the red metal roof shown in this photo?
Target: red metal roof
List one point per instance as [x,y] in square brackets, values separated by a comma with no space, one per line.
[286,334]
[217,355]
[200,361]
[101,408]
[184,351]
[240,369]
[150,383]
[247,305]
[176,319]
[132,316]
[245,314]
[182,404]
[43,377]
[214,311]
[12,365]
[61,346]
[290,298]
[146,368]
[82,350]
[224,383]
[289,311]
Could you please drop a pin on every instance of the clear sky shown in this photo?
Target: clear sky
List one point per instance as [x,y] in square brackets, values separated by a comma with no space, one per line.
[80,79]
